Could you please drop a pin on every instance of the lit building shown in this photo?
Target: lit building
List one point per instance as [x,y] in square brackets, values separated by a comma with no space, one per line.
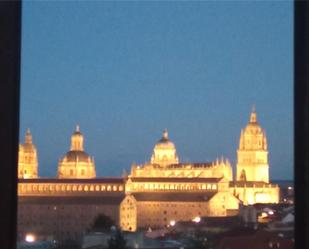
[155,202]
[164,190]
[152,195]
[252,176]
[27,158]
[252,154]
[76,163]
[67,206]
[164,163]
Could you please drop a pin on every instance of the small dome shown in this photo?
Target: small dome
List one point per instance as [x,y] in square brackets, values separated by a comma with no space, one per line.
[164,152]
[164,142]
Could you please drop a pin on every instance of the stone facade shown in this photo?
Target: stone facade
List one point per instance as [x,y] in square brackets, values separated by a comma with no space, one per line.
[174,199]
[65,208]
[152,195]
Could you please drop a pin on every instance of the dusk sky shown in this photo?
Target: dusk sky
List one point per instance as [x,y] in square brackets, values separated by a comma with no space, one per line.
[124,71]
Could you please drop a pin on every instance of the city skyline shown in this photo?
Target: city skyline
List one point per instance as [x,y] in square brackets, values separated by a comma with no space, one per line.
[128,71]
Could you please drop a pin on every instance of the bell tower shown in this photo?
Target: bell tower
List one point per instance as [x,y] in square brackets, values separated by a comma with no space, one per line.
[252,153]
[27,158]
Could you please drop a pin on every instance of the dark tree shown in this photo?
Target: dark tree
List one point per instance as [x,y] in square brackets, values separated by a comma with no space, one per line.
[102,223]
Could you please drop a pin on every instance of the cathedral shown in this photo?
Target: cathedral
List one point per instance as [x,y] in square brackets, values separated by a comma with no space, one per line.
[151,195]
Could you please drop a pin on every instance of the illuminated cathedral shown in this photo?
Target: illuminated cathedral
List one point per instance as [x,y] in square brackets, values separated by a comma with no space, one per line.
[152,194]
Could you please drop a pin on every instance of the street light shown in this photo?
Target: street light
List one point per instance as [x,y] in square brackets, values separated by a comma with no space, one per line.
[30,238]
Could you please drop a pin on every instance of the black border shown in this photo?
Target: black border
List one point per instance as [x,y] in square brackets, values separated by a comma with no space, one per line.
[10,42]
[301,122]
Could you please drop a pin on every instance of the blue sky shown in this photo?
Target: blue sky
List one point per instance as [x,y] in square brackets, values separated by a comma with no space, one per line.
[124,71]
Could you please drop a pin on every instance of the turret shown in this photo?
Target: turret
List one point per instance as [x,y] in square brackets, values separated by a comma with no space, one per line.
[252,154]
[27,158]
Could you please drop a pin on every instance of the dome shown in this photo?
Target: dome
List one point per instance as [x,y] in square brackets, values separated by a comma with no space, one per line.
[76,163]
[165,143]
[77,156]
[164,152]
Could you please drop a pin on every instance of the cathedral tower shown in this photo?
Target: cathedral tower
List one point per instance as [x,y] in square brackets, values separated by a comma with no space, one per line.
[252,154]
[76,163]
[27,158]
[164,152]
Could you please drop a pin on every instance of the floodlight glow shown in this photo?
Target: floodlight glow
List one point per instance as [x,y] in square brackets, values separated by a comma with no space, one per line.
[30,238]
[264,215]
[172,223]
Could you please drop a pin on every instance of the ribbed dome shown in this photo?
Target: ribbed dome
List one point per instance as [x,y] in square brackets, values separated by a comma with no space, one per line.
[77,156]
